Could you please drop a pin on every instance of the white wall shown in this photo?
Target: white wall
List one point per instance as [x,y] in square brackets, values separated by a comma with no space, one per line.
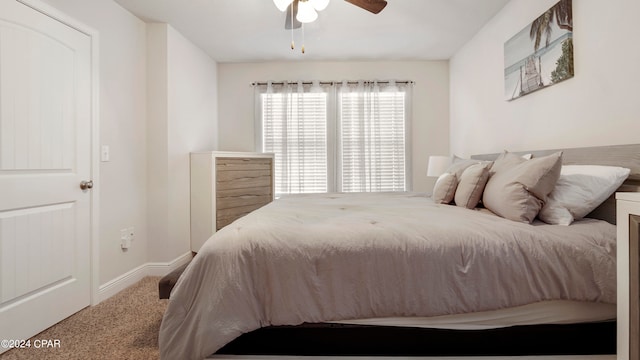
[182,106]
[123,199]
[599,106]
[157,136]
[430,128]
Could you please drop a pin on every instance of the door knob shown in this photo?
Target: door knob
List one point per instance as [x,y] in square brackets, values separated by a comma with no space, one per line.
[84,185]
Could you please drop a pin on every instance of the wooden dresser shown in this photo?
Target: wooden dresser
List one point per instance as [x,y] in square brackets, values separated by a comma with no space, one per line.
[226,186]
[628,220]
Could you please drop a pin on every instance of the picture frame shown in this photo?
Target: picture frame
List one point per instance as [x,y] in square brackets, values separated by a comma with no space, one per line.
[541,54]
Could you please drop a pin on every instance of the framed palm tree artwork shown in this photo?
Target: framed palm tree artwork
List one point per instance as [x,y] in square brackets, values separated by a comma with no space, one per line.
[541,54]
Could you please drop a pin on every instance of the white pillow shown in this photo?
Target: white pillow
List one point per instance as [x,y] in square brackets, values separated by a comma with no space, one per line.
[579,190]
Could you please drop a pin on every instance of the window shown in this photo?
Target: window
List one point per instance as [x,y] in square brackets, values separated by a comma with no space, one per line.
[350,137]
[295,129]
[372,141]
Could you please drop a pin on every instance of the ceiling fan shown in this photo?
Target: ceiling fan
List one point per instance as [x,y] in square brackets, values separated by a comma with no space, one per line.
[309,14]
[305,12]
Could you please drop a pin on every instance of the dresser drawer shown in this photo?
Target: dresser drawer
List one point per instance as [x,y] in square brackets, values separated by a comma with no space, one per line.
[242,173]
[231,164]
[240,179]
[227,216]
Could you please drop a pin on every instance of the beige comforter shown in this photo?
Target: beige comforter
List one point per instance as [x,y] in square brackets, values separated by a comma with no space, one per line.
[317,258]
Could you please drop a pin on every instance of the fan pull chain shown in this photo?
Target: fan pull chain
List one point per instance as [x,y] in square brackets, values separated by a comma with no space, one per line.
[292,43]
[303,38]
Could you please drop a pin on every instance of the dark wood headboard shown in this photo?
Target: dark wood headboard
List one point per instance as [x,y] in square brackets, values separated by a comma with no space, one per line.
[615,155]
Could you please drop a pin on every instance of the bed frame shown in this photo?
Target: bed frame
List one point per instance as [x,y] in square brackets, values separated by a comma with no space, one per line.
[572,339]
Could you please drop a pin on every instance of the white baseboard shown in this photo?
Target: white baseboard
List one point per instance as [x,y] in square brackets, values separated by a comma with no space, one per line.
[131,277]
[162,269]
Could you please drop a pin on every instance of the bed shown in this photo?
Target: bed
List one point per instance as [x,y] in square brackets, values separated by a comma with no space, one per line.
[396,260]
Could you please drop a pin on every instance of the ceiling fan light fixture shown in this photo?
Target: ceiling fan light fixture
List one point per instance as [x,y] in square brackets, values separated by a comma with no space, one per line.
[306,12]
[282,4]
[319,5]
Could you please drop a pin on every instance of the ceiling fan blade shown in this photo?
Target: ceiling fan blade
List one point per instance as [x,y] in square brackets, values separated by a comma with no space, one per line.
[287,21]
[374,6]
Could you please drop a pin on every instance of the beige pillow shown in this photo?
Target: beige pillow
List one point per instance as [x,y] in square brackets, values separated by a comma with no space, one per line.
[459,166]
[518,188]
[471,185]
[506,160]
[445,188]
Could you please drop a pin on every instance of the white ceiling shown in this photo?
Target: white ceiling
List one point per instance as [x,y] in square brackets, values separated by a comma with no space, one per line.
[253,30]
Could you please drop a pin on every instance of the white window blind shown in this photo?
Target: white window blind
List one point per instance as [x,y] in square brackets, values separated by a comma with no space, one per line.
[372,140]
[295,129]
[350,137]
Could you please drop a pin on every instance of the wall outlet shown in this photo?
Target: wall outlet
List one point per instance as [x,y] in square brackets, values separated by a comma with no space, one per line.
[126,237]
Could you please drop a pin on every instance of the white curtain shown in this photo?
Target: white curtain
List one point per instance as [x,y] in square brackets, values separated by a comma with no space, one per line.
[373,120]
[294,127]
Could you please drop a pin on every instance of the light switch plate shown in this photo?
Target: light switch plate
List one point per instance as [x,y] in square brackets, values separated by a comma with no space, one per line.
[104,153]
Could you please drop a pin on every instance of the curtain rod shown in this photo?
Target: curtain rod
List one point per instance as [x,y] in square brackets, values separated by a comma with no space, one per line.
[262,83]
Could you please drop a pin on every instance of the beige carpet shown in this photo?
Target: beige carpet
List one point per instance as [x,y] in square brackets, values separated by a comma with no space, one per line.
[124,326]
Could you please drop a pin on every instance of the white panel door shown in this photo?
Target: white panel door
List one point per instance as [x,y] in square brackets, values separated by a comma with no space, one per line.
[45,143]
